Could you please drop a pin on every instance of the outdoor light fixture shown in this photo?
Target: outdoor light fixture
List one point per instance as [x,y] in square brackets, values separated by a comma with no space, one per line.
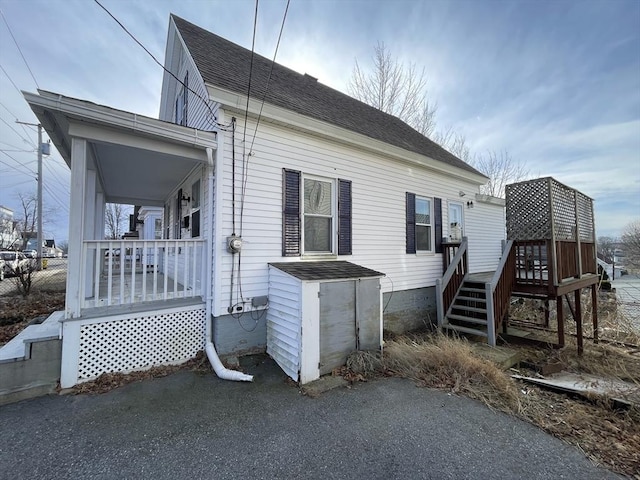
[185,200]
[470,204]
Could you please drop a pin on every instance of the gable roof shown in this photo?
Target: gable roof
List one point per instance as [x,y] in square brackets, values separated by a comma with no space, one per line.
[226,65]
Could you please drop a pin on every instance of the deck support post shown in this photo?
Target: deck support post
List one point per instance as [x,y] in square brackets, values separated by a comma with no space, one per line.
[560,316]
[546,312]
[594,312]
[578,319]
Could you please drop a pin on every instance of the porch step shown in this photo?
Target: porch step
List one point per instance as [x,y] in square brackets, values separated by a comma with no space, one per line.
[470,331]
[468,309]
[463,318]
[471,299]
[473,290]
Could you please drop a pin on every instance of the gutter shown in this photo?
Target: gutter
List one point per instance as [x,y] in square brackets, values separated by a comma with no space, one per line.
[221,371]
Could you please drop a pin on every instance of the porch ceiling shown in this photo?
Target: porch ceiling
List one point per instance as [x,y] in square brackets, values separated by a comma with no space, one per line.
[136,176]
[139,159]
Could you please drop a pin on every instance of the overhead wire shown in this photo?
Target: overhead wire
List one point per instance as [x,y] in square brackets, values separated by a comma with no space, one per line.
[246,155]
[17,133]
[133,37]
[19,49]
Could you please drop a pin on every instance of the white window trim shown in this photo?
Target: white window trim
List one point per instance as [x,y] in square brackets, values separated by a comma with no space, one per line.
[430,225]
[462,227]
[334,216]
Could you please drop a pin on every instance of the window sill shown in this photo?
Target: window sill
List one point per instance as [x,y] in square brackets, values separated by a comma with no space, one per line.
[319,256]
[425,254]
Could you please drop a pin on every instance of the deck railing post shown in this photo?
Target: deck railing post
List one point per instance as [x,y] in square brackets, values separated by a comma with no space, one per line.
[439,307]
[491,323]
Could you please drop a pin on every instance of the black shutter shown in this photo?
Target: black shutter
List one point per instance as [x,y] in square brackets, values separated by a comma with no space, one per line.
[290,213]
[437,221]
[411,222]
[344,217]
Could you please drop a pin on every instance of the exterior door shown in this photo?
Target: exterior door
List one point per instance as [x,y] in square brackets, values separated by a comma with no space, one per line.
[337,323]
[456,222]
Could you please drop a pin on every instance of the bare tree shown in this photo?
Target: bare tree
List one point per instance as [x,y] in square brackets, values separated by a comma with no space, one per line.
[27,219]
[395,88]
[114,218]
[631,243]
[501,168]
[455,142]
[607,249]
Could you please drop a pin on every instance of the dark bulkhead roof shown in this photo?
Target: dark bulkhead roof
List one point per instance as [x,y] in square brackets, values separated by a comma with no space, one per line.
[325,270]
[226,65]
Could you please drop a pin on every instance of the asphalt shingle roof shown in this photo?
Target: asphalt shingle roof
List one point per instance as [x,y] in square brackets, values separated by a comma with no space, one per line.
[325,270]
[226,65]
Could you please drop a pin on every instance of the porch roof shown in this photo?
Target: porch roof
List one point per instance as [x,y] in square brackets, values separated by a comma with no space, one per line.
[139,159]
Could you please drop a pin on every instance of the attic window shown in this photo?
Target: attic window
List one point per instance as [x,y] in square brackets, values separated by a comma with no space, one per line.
[182,102]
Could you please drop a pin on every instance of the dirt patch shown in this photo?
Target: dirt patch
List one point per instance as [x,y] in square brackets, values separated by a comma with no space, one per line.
[16,313]
[608,437]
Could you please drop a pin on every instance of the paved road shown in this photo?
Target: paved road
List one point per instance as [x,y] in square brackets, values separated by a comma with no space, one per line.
[194,426]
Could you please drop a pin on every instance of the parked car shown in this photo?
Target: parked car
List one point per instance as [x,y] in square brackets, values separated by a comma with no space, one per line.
[14,263]
[30,253]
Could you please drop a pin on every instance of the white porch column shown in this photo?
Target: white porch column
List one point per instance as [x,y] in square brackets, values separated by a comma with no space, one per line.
[89,230]
[73,301]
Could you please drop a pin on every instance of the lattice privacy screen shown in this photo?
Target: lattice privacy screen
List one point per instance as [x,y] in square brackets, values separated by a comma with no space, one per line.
[536,208]
[139,343]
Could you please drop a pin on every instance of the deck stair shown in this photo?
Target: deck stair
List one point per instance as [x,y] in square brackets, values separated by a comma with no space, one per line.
[468,312]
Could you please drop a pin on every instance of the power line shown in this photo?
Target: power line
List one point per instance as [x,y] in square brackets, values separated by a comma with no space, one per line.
[15,167]
[16,132]
[12,82]
[206,103]
[16,117]
[19,50]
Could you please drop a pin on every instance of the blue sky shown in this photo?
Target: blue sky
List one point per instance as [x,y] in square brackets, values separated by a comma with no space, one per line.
[555,83]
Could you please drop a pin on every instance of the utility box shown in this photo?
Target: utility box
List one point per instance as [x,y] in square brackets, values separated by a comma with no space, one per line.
[320,312]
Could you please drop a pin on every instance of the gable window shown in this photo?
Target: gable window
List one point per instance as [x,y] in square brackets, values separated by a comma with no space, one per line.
[424,224]
[316,215]
[182,102]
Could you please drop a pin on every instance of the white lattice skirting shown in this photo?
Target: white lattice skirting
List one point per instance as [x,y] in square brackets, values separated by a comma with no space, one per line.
[130,342]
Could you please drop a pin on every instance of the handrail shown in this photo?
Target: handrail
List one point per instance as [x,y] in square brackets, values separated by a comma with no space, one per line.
[495,307]
[457,266]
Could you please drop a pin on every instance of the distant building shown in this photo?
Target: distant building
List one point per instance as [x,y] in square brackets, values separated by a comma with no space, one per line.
[8,232]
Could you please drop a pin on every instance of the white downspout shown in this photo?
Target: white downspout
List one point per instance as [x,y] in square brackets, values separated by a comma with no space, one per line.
[222,372]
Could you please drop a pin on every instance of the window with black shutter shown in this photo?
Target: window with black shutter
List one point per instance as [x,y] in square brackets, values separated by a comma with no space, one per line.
[424,224]
[290,213]
[344,217]
[316,211]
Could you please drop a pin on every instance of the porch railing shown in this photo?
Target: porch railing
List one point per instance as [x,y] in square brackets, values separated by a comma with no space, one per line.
[498,291]
[121,272]
[452,279]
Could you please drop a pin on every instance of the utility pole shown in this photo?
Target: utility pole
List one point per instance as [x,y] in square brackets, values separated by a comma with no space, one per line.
[39,212]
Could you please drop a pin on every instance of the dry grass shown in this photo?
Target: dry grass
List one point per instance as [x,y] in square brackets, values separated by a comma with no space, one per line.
[608,437]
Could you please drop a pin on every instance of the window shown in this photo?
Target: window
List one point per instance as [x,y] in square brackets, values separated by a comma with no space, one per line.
[157,229]
[424,224]
[313,209]
[318,216]
[182,102]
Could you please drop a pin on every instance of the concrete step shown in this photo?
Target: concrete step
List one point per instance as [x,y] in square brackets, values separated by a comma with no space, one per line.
[464,318]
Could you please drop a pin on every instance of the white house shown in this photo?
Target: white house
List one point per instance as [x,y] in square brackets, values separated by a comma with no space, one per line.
[301,174]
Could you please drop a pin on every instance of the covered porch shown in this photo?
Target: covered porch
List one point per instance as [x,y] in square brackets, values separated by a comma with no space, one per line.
[120,157]
[135,302]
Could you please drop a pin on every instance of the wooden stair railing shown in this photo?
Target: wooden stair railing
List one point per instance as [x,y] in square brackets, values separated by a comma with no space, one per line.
[447,287]
[498,291]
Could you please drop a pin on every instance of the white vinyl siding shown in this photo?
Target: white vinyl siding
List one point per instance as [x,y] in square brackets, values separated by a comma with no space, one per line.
[283,321]
[378,202]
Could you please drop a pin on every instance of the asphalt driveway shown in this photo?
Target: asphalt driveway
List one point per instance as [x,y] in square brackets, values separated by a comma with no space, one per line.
[198,427]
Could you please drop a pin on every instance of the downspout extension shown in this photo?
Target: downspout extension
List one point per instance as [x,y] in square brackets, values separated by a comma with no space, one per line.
[221,371]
